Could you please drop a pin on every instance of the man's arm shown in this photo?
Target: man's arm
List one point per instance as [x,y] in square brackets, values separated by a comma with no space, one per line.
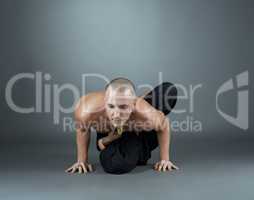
[82,141]
[82,119]
[103,142]
[163,135]
[162,125]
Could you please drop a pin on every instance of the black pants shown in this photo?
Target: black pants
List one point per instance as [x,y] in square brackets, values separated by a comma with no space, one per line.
[130,150]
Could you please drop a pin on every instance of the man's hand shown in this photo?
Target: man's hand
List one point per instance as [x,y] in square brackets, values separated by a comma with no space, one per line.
[103,142]
[80,167]
[101,145]
[165,165]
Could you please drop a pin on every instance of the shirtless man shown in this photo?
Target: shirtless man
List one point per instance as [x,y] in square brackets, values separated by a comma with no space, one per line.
[128,127]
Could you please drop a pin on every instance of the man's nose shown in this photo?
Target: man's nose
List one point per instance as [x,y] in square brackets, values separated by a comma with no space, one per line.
[116,114]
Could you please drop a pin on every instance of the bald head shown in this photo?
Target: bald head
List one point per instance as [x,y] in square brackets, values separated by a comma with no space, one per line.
[120,98]
[121,87]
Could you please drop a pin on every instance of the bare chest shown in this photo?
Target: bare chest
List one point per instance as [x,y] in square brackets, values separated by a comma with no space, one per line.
[138,125]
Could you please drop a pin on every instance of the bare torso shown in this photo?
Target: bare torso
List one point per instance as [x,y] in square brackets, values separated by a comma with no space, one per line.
[91,112]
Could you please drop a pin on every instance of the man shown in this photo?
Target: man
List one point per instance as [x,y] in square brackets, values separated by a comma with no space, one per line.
[128,127]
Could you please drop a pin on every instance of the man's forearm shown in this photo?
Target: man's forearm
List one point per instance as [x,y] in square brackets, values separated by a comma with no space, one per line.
[164,142]
[82,140]
[110,138]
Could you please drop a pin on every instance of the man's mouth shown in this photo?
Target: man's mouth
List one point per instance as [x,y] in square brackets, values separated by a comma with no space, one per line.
[117,123]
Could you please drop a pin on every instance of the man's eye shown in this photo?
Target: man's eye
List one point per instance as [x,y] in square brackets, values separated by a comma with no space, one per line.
[110,106]
[123,106]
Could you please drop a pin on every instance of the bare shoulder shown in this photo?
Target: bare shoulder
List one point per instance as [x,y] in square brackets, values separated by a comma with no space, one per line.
[155,116]
[89,105]
[146,109]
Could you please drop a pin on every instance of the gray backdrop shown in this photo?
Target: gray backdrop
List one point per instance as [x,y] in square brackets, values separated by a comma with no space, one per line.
[191,42]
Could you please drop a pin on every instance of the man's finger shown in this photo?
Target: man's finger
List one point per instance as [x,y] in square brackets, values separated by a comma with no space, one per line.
[80,170]
[84,167]
[164,168]
[156,166]
[69,169]
[73,170]
[175,167]
[159,168]
[90,167]
[169,168]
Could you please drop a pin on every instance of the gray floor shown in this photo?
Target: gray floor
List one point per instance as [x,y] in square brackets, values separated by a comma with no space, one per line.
[210,169]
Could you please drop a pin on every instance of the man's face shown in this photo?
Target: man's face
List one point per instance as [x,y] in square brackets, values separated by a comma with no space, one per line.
[119,106]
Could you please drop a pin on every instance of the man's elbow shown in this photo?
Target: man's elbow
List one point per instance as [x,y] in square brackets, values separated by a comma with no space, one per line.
[164,125]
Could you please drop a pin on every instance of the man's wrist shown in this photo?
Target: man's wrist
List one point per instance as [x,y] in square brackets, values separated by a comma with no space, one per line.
[163,157]
[82,160]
